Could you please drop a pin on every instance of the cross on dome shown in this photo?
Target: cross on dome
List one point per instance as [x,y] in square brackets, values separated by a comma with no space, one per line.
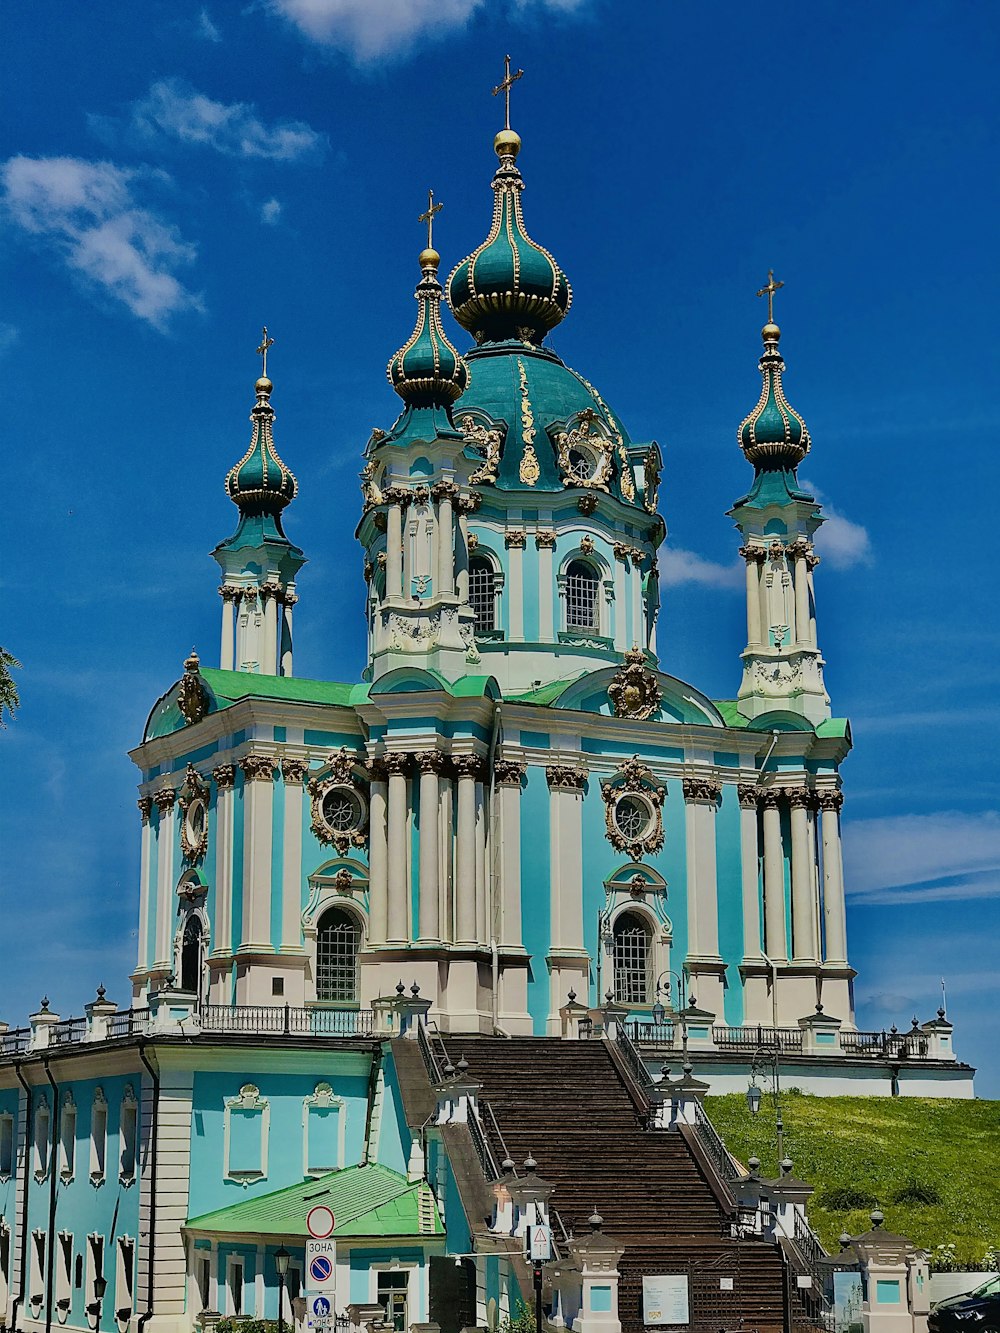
[768,291]
[432,211]
[262,350]
[504,86]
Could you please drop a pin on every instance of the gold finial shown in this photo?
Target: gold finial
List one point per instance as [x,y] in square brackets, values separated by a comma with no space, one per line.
[432,211]
[505,86]
[768,291]
[265,343]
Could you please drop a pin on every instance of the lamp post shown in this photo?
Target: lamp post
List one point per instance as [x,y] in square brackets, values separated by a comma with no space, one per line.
[763,1056]
[100,1287]
[281,1258]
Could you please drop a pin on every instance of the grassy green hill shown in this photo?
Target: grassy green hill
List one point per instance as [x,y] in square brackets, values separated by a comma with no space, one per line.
[932,1165]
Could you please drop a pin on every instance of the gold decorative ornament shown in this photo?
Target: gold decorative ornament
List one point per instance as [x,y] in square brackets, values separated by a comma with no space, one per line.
[635,691]
[633,805]
[339,808]
[487,442]
[529,471]
[192,698]
[651,482]
[193,800]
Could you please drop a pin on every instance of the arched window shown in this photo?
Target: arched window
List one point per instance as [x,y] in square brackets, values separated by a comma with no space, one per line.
[632,946]
[482,593]
[582,587]
[191,954]
[338,939]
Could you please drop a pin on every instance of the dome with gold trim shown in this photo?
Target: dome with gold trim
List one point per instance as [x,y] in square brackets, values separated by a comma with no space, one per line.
[427,371]
[510,287]
[773,437]
[260,483]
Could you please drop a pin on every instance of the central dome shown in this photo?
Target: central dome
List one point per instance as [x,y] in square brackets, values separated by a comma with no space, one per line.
[510,287]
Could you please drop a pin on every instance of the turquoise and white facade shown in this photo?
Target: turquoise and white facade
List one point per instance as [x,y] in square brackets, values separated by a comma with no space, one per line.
[517,811]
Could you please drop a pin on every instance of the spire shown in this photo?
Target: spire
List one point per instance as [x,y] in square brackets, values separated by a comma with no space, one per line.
[773,437]
[260,483]
[427,371]
[510,287]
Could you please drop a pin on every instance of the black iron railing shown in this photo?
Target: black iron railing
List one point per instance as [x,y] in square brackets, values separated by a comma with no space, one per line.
[427,1052]
[632,1058]
[14,1041]
[885,1044]
[651,1034]
[708,1137]
[756,1037]
[479,1141]
[127,1023]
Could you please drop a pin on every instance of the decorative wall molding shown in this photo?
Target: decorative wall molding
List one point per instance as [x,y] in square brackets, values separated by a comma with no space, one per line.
[145,804]
[339,806]
[192,697]
[633,809]
[635,691]
[322,1102]
[248,1103]
[193,800]
[165,799]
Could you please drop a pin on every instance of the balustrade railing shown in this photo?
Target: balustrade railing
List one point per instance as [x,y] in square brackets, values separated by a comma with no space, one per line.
[284,1020]
[481,1144]
[427,1052]
[708,1137]
[651,1034]
[882,1044]
[14,1041]
[127,1023]
[755,1036]
[632,1058]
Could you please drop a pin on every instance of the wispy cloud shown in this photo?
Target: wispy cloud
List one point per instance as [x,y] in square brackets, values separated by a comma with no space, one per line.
[678,566]
[270,212]
[944,856]
[366,30]
[88,212]
[840,541]
[206,29]
[175,109]
[8,337]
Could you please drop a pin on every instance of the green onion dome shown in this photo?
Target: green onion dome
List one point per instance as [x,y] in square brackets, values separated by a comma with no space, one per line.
[773,437]
[260,483]
[511,287]
[427,371]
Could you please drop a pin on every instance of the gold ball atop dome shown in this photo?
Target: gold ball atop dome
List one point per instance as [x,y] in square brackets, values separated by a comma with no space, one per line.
[263,386]
[507,144]
[770,333]
[429,258]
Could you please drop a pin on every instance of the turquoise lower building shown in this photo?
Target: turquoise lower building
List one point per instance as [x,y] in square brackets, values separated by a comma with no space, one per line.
[517,824]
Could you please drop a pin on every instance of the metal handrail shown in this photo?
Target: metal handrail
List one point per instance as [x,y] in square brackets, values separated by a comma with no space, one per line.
[487,1107]
[632,1058]
[127,1023]
[426,1051]
[15,1041]
[708,1137]
[479,1141]
[653,1034]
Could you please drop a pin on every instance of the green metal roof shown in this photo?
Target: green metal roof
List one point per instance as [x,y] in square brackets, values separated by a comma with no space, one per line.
[367,1200]
[228,686]
[731,714]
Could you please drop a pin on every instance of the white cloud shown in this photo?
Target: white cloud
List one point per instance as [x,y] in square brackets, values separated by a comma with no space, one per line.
[678,566]
[8,337]
[206,29]
[840,541]
[944,856]
[370,29]
[89,212]
[174,108]
[270,212]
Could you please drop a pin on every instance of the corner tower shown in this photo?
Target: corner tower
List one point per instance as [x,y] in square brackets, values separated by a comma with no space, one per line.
[259,564]
[782,664]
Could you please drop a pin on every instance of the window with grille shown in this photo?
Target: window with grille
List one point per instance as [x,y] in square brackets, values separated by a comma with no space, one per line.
[482,593]
[582,586]
[337,942]
[631,955]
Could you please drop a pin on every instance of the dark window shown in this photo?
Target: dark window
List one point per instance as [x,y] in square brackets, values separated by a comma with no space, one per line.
[582,586]
[482,593]
[632,949]
[191,955]
[337,942]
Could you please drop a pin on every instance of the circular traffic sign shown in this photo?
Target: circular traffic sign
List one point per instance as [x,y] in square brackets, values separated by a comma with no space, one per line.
[321,1269]
[320,1222]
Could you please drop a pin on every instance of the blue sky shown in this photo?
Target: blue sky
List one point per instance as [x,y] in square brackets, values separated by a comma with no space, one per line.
[175,175]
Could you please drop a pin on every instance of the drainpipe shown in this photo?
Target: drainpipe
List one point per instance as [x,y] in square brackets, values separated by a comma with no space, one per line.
[50,1258]
[770,749]
[774,988]
[147,1314]
[491,868]
[19,1300]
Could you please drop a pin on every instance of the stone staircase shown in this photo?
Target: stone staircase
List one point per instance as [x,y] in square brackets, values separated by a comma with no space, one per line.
[566,1104]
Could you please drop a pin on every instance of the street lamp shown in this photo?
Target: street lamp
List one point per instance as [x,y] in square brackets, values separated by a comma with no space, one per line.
[761,1057]
[100,1287]
[281,1258]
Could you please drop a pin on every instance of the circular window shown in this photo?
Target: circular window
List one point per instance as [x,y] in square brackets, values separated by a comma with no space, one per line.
[196,820]
[342,810]
[582,463]
[632,817]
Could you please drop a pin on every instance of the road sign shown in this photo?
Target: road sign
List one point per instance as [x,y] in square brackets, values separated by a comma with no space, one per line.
[540,1241]
[319,1310]
[320,1221]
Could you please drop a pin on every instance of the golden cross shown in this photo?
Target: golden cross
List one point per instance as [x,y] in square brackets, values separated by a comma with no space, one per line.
[432,210]
[265,343]
[508,82]
[769,291]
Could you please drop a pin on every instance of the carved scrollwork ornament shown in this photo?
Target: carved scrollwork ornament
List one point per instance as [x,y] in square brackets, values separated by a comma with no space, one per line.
[487,443]
[830,800]
[651,482]
[429,761]
[514,539]
[587,504]
[509,773]
[749,794]
[753,554]
[258,767]
[467,766]
[701,789]
[145,804]
[165,799]
[799,798]
[338,804]
[635,691]
[192,697]
[562,777]
[193,800]
[585,453]
[224,775]
[294,771]
[633,810]
[370,490]
[396,762]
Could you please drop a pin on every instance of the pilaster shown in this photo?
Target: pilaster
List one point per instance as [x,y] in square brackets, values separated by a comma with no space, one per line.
[166,840]
[258,814]
[224,776]
[567,959]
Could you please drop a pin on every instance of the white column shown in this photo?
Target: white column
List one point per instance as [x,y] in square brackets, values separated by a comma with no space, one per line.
[378,858]
[774,878]
[801,595]
[467,768]
[765,604]
[754,556]
[638,623]
[145,804]
[803,921]
[515,602]
[566,857]
[286,642]
[258,814]
[446,840]
[394,551]
[508,778]
[398,914]
[546,588]
[293,771]
[622,640]
[701,797]
[749,860]
[228,629]
[269,651]
[224,775]
[166,836]
[483,922]
[241,605]
[833,877]
[445,580]
[462,556]
[429,889]
[812,561]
